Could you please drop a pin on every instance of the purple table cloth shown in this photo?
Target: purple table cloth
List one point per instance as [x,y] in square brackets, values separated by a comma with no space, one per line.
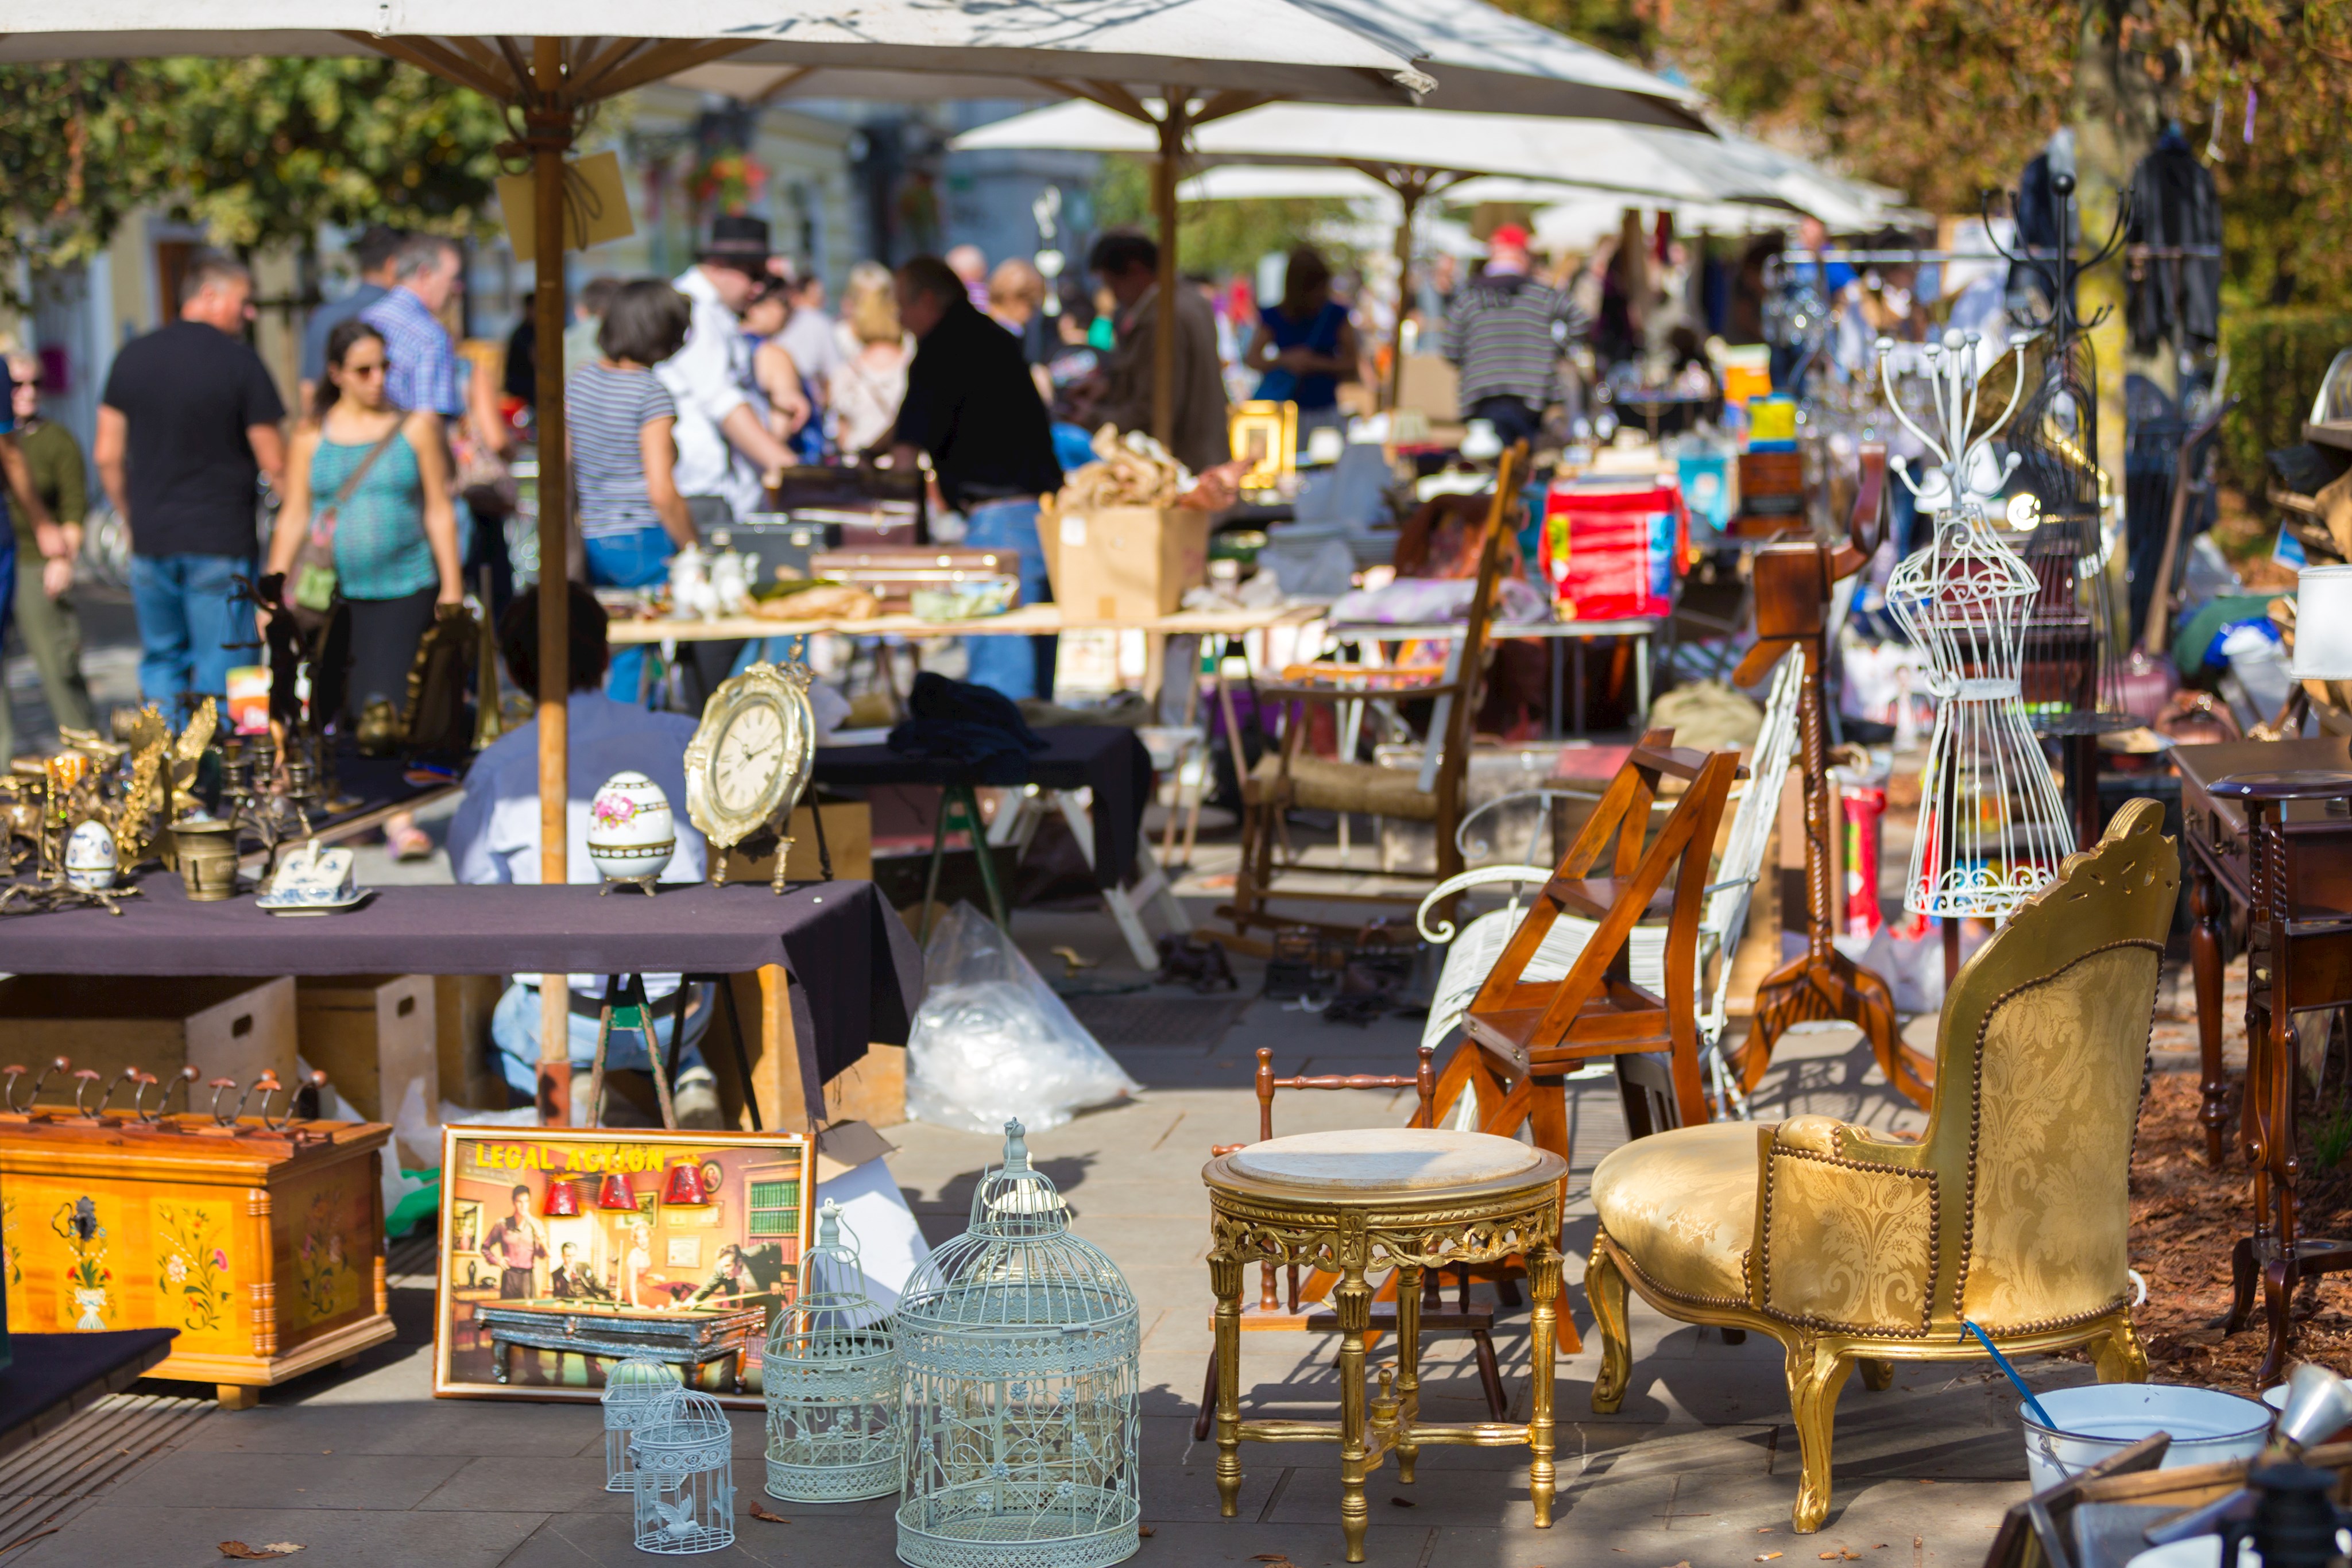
[860,974]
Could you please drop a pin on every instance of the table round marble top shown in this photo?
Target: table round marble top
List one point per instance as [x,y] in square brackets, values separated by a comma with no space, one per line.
[1384,1159]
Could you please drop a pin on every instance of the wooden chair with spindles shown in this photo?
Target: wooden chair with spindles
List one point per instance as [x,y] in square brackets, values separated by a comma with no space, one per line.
[1299,1307]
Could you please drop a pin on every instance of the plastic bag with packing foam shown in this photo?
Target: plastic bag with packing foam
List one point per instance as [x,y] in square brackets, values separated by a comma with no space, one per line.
[993,1043]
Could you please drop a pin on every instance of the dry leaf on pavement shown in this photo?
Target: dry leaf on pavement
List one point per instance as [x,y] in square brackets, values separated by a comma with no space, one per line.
[238,1549]
[759,1512]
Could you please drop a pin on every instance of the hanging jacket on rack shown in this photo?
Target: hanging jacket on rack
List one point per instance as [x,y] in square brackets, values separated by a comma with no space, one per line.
[2173,301]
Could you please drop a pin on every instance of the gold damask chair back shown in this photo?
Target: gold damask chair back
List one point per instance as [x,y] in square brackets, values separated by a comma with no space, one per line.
[2010,1211]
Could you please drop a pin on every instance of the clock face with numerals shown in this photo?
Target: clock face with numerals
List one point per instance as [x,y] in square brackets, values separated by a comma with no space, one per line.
[749,760]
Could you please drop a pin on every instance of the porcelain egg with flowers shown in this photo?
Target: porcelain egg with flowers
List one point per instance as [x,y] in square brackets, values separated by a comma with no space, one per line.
[90,863]
[632,834]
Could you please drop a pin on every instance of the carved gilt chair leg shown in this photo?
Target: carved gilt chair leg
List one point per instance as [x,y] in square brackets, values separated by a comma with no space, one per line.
[1543,1286]
[2118,1356]
[1816,1374]
[1877,1375]
[1604,1288]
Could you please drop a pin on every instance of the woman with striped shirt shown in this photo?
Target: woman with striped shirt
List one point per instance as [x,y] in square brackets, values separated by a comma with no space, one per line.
[622,425]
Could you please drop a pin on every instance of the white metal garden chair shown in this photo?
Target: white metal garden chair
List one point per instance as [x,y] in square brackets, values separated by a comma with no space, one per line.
[1471,954]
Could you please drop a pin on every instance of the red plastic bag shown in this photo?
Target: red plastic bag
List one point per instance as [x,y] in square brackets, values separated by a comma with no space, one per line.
[1609,554]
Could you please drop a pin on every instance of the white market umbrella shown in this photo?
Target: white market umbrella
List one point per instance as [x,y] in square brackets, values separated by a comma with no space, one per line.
[1419,153]
[550,60]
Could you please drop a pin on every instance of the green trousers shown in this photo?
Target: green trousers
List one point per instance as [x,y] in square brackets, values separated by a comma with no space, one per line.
[51,632]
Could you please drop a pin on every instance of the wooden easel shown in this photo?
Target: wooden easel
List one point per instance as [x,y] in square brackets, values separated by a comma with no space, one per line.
[1794,581]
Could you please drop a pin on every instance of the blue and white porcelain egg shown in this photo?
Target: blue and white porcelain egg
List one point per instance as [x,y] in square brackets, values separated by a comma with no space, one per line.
[91,862]
[632,834]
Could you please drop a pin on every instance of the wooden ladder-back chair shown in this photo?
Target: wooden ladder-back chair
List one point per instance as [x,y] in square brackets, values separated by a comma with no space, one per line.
[1795,581]
[1531,1034]
[1471,954]
[1284,781]
[1301,1312]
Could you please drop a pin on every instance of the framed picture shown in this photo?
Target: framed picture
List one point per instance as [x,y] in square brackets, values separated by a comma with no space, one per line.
[565,1251]
[1266,435]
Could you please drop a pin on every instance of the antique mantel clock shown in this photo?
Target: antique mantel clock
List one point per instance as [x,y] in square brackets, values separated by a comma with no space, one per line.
[749,761]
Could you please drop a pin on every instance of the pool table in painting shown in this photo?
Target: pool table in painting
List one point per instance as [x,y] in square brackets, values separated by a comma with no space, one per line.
[689,1337]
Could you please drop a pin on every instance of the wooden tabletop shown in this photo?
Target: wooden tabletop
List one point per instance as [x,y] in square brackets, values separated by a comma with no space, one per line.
[1028,621]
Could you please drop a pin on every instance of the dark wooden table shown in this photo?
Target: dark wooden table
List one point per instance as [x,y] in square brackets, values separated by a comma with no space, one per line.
[2269,834]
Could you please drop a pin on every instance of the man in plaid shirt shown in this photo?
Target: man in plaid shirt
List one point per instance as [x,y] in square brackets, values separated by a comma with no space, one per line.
[422,361]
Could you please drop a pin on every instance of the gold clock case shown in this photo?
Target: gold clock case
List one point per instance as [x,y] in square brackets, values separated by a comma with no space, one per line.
[783,687]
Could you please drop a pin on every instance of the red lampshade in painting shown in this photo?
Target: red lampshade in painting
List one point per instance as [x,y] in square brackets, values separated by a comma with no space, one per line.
[685,1186]
[614,1194]
[562,1199]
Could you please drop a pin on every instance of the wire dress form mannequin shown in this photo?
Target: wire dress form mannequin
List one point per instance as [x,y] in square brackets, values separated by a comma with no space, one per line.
[1992,830]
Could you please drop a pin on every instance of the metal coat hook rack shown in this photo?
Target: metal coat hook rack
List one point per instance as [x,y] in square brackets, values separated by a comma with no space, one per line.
[2056,265]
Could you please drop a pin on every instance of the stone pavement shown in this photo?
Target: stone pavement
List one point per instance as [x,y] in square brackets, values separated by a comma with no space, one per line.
[361,1465]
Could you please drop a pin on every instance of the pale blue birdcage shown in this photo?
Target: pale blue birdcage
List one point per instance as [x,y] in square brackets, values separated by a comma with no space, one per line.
[831,1377]
[1019,1345]
[630,1390]
[685,1475]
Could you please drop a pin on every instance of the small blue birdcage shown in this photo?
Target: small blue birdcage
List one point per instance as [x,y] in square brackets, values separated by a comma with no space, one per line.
[685,1475]
[831,1377]
[630,1390]
[1019,1345]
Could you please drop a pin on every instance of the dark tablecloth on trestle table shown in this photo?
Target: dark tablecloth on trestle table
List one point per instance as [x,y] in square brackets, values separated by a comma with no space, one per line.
[860,976]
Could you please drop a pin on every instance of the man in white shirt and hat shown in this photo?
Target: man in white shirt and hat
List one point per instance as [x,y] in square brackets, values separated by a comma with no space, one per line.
[724,446]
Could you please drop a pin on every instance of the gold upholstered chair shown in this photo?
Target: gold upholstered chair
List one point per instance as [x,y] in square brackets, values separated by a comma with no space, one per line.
[2012,1210]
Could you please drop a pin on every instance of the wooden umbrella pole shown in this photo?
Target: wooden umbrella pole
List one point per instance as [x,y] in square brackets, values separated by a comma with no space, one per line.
[1172,126]
[1410,189]
[549,120]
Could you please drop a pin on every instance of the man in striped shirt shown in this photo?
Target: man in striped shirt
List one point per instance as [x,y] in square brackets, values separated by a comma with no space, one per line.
[1505,333]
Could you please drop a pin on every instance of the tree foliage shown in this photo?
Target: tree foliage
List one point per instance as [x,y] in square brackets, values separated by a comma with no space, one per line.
[1942,98]
[259,150]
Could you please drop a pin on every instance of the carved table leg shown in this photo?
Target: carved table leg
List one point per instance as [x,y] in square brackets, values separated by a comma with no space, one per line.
[1408,1302]
[1543,1288]
[2205,903]
[1225,1280]
[1353,1299]
[1604,1287]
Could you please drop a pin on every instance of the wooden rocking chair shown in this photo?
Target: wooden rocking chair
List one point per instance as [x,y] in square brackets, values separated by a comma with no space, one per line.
[1286,781]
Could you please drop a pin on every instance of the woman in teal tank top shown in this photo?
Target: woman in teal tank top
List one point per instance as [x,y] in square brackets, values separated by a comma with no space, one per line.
[395,533]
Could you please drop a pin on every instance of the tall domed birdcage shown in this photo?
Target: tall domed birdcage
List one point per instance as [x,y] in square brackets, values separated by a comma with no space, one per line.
[1019,1345]
[631,1389]
[685,1475]
[831,1377]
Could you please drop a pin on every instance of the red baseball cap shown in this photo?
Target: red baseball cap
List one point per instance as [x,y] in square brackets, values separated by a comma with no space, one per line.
[1510,236]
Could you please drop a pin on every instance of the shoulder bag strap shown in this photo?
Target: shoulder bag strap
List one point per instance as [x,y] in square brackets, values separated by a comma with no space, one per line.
[323,521]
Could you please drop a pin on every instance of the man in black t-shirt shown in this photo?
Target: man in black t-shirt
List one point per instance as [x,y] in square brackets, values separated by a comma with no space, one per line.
[971,405]
[187,425]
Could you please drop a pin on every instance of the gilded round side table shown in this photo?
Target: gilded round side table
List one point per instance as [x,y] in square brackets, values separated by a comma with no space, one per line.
[1362,1202]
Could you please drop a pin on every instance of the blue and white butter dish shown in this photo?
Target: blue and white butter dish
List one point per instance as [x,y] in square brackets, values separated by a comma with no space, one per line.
[312,881]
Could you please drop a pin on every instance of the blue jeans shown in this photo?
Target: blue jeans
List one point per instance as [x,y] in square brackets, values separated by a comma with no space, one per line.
[637,559]
[514,1029]
[1017,666]
[186,623]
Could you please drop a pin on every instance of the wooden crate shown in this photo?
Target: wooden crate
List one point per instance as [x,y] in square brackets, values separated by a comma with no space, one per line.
[264,1251]
[374,1036]
[227,1026]
[872,1089]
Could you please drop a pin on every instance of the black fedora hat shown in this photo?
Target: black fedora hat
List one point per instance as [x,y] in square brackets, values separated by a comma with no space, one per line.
[738,238]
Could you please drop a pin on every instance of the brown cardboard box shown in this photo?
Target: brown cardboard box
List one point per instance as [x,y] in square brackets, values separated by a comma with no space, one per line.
[872,1089]
[227,1026]
[1124,564]
[848,836]
[373,1036]
[462,1006]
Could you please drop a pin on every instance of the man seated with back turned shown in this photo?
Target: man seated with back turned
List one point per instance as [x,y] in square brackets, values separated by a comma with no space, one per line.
[494,838]
[973,405]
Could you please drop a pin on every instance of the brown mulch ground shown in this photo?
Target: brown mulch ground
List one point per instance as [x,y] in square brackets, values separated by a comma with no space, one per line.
[2185,1217]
